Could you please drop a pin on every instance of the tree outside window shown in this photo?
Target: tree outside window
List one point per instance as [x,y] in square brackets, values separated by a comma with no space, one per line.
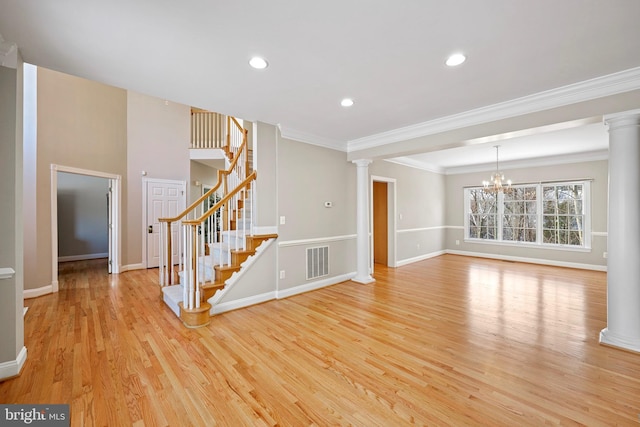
[483,223]
[563,214]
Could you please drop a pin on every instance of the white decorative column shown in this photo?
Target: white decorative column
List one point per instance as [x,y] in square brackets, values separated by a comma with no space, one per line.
[623,264]
[362,217]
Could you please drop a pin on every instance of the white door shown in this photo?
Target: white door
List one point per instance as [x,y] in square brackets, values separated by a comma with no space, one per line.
[165,199]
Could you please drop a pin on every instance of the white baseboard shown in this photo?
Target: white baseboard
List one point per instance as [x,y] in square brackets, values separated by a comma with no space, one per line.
[609,338]
[82,257]
[419,258]
[241,303]
[38,292]
[540,261]
[268,296]
[12,368]
[131,267]
[318,284]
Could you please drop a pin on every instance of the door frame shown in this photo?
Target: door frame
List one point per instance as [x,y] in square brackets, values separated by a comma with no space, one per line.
[145,202]
[115,184]
[391,219]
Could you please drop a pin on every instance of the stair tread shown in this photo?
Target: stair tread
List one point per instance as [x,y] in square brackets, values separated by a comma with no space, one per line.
[212,285]
[227,267]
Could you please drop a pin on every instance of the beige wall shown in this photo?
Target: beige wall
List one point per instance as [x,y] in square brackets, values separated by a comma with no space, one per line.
[158,134]
[419,210]
[309,176]
[207,176]
[88,125]
[81,124]
[595,170]
[265,152]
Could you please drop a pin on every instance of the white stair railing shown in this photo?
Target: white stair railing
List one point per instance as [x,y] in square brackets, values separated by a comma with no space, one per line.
[194,240]
[207,129]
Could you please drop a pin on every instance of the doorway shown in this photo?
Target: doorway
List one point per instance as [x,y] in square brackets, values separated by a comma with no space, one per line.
[380,220]
[113,218]
[383,214]
[83,217]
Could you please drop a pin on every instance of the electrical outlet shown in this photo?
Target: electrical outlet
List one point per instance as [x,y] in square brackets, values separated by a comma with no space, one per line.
[457,242]
[282,274]
[418,246]
[282,220]
[604,254]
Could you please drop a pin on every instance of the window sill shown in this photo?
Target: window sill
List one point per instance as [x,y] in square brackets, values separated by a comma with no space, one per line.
[565,248]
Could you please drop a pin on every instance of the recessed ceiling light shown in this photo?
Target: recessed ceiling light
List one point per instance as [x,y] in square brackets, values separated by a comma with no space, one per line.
[258,63]
[455,59]
[347,102]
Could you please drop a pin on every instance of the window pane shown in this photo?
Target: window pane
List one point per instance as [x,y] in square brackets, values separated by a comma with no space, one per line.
[575,223]
[549,206]
[549,221]
[575,238]
[531,207]
[549,236]
[575,207]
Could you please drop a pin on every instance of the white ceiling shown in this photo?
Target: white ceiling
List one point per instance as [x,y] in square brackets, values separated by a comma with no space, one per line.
[387,55]
[579,142]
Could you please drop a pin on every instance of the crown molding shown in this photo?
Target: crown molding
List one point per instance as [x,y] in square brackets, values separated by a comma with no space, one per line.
[590,156]
[611,84]
[413,163]
[308,138]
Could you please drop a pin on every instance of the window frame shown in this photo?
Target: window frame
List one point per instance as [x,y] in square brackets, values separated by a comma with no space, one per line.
[586,208]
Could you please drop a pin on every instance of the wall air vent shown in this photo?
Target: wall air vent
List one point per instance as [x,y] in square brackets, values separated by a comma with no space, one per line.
[317,262]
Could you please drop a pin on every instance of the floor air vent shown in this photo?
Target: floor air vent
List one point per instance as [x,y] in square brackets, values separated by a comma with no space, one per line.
[317,262]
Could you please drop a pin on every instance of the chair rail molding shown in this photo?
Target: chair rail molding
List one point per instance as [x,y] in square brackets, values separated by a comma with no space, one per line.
[7,273]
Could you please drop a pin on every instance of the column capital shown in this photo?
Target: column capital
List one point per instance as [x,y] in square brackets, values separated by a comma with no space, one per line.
[362,162]
[625,118]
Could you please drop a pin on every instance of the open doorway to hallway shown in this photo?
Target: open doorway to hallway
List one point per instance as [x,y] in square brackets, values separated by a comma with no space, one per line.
[85,218]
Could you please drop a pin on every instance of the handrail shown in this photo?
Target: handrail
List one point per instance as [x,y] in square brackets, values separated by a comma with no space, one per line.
[234,162]
[197,203]
[222,201]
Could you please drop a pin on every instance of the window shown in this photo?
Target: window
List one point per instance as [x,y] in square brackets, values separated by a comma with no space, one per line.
[519,220]
[483,215]
[563,215]
[548,214]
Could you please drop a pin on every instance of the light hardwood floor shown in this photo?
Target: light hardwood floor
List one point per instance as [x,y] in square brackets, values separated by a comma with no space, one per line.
[447,341]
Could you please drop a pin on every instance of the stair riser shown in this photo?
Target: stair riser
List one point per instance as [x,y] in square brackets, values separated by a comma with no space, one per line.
[222,274]
[239,257]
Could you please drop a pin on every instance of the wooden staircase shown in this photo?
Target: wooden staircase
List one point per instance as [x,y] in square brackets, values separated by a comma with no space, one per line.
[207,265]
[238,256]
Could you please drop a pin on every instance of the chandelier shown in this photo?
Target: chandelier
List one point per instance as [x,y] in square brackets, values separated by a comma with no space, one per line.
[497,183]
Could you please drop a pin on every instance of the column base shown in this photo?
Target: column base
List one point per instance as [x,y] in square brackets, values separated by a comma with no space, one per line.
[365,280]
[609,338]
